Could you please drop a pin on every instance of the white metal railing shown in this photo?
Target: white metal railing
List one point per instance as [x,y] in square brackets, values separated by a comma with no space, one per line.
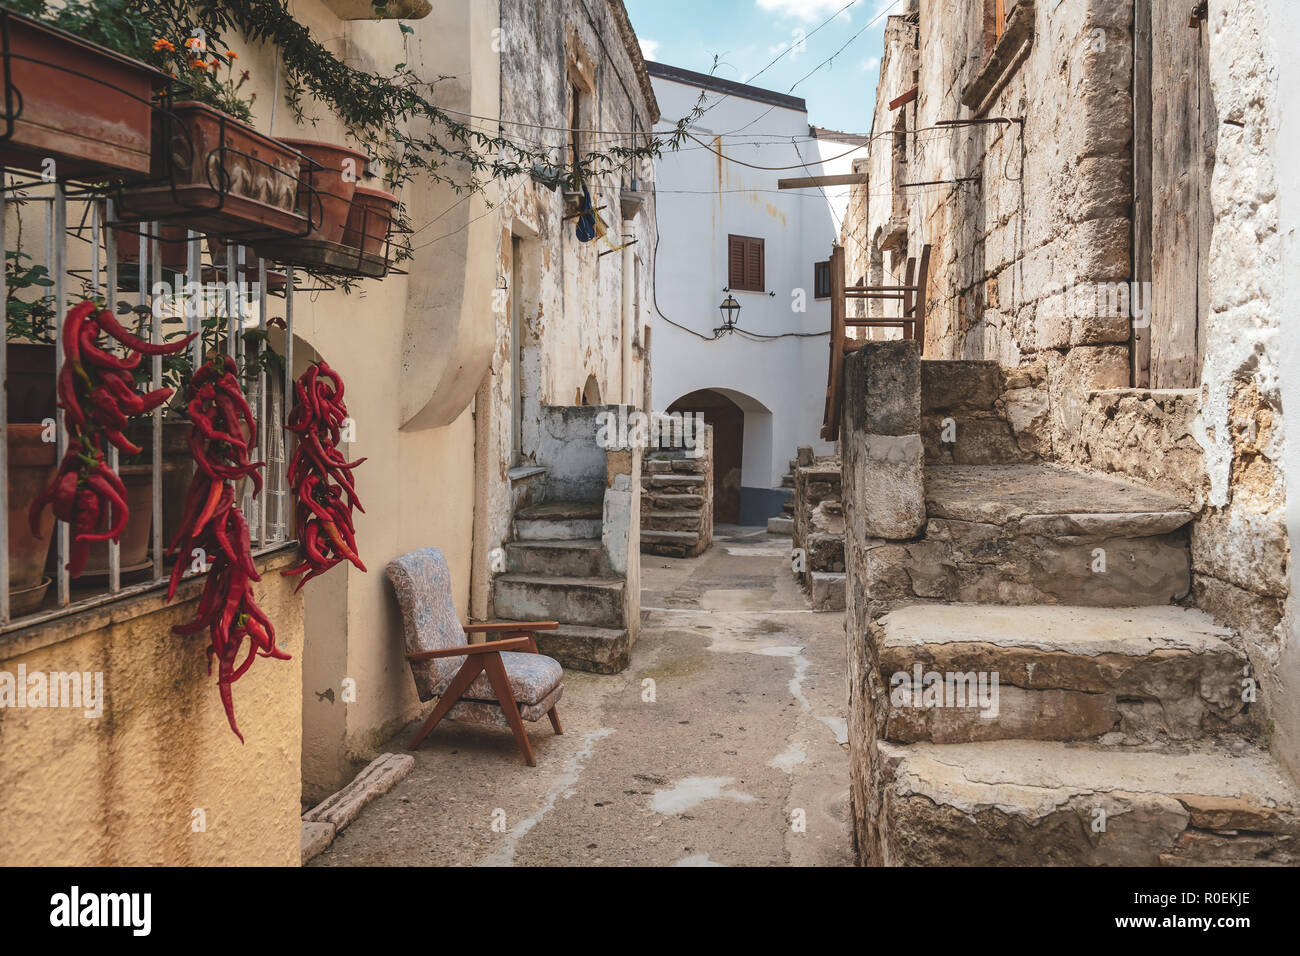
[270,520]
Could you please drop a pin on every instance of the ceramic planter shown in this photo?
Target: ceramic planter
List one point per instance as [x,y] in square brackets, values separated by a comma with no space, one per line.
[334,184]
[91,122]
[32,465]
[219,176]
[369,220]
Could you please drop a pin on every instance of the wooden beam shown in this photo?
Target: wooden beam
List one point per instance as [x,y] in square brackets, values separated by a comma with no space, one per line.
[843,179]
[904,99]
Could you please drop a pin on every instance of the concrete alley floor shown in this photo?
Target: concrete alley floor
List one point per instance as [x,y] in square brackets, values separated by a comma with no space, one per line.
[727,731]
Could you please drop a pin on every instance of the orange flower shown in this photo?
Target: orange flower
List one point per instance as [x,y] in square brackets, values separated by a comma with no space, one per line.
[232,54]
[198,64]
[163,45]
[194,43]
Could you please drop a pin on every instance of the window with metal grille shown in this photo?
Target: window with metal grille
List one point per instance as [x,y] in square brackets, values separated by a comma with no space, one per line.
[745,261]
[161,280]
[822,280]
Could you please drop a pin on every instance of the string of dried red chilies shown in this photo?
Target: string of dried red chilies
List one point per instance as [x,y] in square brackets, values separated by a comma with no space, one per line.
[98,396]
[321,478]
[223,432]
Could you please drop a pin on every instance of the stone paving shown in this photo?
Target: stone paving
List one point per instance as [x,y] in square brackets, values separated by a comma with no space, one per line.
[724,742]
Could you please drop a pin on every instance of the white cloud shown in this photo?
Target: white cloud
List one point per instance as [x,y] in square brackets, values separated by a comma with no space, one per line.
[808,10]
[648,47]
[872,63]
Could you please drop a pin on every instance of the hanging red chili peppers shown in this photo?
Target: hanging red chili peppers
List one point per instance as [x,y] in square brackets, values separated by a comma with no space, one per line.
[321,478]
[223,432]
[98,396]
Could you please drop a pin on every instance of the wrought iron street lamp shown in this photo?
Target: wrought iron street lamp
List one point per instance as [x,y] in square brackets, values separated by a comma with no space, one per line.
[730,309]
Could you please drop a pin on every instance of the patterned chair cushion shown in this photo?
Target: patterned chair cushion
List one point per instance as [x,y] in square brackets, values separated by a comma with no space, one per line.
[422,581]
[532,678]
[481,712]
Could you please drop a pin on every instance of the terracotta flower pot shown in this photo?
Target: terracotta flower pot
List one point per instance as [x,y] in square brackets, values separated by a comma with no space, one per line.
[32,466]
[134,554]
[275,280]
[95,120]
[30,394]
[174,247]
[334,185]
[369,220]
[223,177]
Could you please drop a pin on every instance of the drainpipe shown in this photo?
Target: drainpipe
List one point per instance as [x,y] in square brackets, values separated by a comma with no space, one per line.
[629,319]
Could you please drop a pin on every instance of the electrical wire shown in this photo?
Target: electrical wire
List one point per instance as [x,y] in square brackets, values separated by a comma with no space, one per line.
[774,169]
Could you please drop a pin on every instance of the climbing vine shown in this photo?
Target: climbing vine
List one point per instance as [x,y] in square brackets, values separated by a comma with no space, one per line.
[392,114]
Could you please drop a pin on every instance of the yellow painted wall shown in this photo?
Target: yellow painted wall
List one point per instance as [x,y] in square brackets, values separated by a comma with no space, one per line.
[122,789]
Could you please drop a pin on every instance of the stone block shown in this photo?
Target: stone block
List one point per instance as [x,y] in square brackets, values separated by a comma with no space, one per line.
[889,484]
[882,389]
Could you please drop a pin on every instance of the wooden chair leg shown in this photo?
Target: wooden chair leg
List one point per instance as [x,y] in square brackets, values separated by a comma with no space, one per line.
[555,721]
[496,671]
[459,684]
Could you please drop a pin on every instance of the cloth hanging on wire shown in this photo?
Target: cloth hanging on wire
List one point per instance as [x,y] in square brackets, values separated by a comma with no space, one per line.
[590,226]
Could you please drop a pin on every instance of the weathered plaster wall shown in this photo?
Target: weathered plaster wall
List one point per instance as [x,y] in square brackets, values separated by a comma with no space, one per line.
[570,298]
[1240,545]
[874,233]
[122,789]
[412,350]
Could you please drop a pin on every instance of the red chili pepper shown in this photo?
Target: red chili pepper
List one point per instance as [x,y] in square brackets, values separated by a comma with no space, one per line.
[106,321]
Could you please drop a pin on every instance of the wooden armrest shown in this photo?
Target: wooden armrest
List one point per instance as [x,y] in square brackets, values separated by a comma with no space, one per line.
[511,626]
[488,647]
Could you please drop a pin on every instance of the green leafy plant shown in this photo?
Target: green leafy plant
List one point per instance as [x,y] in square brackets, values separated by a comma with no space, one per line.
[27,319]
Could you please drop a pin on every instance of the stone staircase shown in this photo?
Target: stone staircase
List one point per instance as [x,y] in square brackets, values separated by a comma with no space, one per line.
[1028,684]
[556,570]
[784,522]
[574,556]
[677,499]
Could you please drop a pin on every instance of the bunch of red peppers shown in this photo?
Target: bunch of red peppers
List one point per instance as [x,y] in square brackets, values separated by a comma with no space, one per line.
[98,396]
[319,475]
[222,433]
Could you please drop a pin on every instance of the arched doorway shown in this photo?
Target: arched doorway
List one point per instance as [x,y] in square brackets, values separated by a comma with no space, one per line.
[728,421]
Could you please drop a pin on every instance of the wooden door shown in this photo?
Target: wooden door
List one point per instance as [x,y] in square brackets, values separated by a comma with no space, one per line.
[1173,151]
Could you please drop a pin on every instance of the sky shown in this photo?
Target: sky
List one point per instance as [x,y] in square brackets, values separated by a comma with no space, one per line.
[746,35]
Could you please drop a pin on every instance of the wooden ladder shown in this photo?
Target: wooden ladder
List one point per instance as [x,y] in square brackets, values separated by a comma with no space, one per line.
[912,294]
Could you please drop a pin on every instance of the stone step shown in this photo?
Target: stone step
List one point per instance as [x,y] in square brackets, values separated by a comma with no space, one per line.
[688,521]
[567,557]
[781,525]
[1035,803]
[670,544]
[596,602]
[559,520]
[1037,534]
[678,483]
[1121,675]
[596,650]
[662,502]
[787,481]
[826,590]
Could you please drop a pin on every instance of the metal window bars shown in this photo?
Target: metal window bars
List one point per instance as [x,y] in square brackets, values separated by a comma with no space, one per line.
[269,515]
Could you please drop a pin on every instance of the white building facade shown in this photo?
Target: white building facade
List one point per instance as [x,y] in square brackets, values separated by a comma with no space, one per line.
[726,229]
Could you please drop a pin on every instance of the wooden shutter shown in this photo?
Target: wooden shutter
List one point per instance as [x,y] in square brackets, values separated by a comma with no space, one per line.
[745,262]
[999,19]
[754,265]
[736,262]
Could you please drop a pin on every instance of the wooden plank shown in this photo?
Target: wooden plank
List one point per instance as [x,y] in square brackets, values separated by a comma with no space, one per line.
[840,179]
[1176,200]
[1140,340]
[835,384]
[1208,121]
[906,98]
